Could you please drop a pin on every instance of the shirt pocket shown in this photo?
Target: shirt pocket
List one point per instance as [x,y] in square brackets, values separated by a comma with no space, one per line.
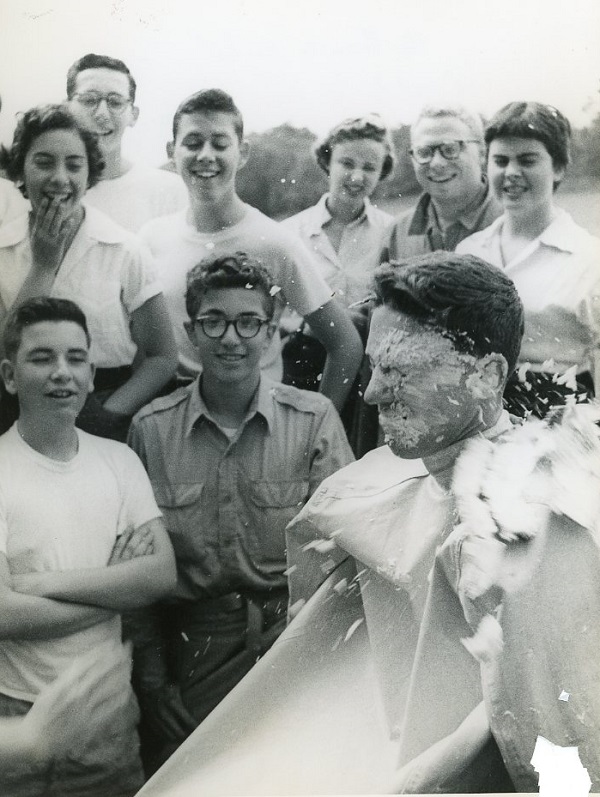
[271,506]
[181,505]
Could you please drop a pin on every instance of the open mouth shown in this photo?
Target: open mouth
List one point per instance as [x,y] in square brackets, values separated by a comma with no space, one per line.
[61,394]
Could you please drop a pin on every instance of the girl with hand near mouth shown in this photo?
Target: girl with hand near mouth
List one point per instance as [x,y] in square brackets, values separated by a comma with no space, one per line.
[554,263]
[68,250]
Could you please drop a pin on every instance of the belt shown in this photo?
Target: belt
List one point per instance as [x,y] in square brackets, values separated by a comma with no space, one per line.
[265,614]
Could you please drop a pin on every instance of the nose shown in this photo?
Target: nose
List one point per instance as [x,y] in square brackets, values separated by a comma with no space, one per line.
[512,168]
[438,159]
[230,336]
[356,176]
[205,152]
[378,390]
[61,370]
[60,175]
[102,110]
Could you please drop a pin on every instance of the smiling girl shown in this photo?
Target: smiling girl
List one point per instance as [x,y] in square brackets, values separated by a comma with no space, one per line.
[68,250]
[554,263]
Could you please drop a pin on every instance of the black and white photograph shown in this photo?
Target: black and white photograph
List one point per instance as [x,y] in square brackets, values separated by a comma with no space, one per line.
[299,436]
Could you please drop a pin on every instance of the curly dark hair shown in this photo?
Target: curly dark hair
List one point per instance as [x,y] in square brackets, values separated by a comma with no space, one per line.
[237,270]
[34,123]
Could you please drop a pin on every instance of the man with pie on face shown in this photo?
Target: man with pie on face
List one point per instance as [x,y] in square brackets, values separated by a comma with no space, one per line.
[476,557]
[448,155]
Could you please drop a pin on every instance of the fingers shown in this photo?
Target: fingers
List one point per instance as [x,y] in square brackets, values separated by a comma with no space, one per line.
[131,544]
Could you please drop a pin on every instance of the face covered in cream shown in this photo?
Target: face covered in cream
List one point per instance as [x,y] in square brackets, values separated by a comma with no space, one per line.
[429,394]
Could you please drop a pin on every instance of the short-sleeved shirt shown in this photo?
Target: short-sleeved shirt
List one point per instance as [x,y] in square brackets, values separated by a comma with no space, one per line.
[141,194]
[349,270]
[418,231]
[227,501]
[558,279]
[177,247]
[58,515]
[106,271]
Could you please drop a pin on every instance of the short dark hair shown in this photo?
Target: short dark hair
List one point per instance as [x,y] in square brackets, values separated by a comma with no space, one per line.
[93,61]
[534,120]
[369,127]
[36,121]
[210,101]
[35,311]
[238,270]
[469,301]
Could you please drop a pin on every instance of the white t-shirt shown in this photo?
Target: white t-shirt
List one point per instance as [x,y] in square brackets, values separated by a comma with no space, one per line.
[105,270]
[138,196]
[177,246]
[62,516]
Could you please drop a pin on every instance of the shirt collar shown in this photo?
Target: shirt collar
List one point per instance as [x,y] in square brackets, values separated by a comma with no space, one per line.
[562,232]
[96,227]
[261,404]
[424,218]
[320,215]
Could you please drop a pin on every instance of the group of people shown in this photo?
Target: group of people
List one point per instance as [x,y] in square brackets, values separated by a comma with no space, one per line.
[148,307]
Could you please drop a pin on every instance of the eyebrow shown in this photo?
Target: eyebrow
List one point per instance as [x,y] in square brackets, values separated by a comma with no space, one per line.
[43,154]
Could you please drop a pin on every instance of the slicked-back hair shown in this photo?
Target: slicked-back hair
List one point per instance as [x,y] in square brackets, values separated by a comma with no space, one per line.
[464,298]
[535,120]
[238,270]
[34,123]
[210,101]
[35,311]
[94,61]
[369,127]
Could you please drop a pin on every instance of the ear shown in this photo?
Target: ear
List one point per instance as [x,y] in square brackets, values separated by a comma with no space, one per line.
[271,329]
[244,153]
[92,375]
[7,370]
[133,115]
[559,173]
[170,150]
[494,370]
[189,327]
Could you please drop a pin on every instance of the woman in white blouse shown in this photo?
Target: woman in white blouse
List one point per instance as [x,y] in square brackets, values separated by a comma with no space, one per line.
[554,263]
[66,249]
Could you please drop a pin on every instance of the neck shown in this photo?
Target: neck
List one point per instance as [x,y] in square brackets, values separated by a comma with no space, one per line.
[344,210]
[114,165]
[216,215]
[450,210]
[529,225]
[441,463]
[53,438]
[228,404]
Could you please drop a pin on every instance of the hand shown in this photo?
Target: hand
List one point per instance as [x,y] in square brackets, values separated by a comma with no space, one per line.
[30,583]
[50,232]
[165,713]
[131,544]
[59,719]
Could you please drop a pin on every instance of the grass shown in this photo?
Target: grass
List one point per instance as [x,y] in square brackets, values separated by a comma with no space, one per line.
[584,206]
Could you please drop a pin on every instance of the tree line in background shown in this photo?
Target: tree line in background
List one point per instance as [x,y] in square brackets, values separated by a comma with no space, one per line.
[282,176]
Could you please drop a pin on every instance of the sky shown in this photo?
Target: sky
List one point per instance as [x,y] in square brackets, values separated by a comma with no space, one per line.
[311,63]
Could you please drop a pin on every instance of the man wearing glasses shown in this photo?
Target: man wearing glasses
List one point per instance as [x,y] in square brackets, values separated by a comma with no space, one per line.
[448,154]
[101,93]
[232,458]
